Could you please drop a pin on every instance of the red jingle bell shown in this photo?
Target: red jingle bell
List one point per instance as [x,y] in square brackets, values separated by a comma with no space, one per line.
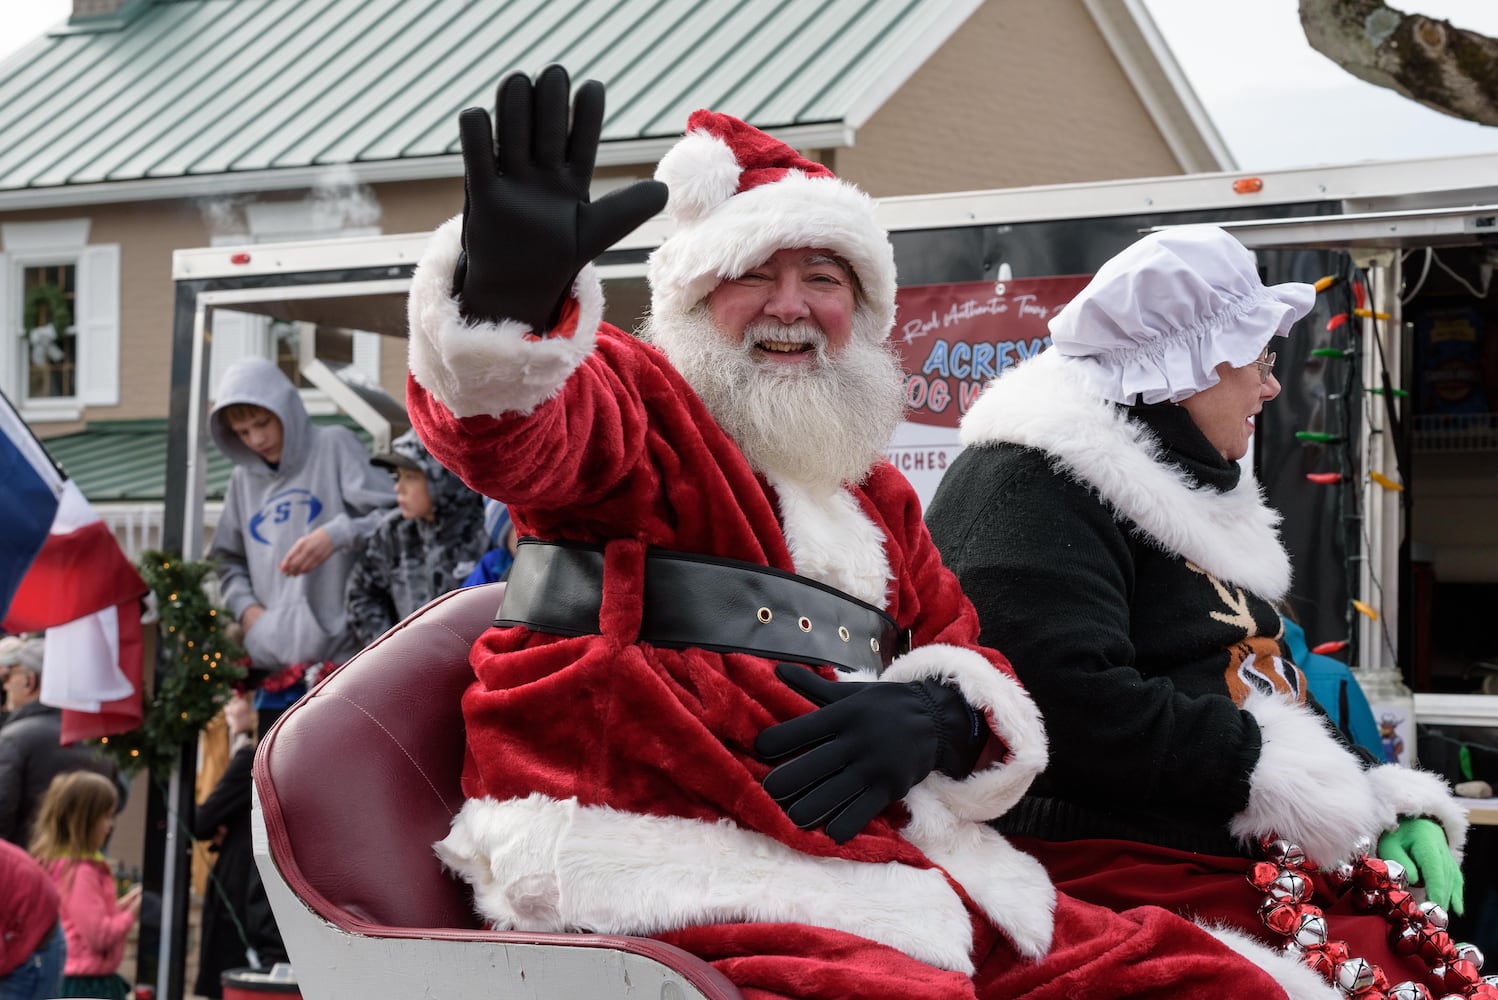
[1403,906]
[1404,940]
[1262,875]
[1460,975]
[1281,917]
[1319,962]
[1436,946]
[1371,874]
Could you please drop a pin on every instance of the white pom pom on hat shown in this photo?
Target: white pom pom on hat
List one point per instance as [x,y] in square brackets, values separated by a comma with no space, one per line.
[737,195]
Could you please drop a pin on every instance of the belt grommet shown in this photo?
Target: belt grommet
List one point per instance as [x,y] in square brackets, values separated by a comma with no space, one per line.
[805,623]
[842,632]
[765,615]
[874,644]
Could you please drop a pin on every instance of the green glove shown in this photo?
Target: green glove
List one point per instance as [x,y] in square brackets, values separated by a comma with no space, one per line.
[1419,844]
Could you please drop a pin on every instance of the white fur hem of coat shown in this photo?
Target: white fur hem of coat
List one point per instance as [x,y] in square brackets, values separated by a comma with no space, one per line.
[1410,792]
[947,816]
[478,368]
[542,864]
[1306,787]
[1045,403]
[1298,980]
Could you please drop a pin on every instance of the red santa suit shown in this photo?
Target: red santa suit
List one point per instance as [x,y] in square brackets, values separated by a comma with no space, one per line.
[612,784]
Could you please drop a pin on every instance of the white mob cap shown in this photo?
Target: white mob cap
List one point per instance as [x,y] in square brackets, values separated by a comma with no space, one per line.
[1159,317]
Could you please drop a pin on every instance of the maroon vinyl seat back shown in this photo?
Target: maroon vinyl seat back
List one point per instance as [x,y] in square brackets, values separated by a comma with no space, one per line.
[359,778]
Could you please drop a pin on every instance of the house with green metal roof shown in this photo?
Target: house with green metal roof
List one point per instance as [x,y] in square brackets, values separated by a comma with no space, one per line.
[140,127]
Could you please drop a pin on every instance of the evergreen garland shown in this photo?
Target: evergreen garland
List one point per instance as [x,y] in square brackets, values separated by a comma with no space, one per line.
[58,314]
[200,665]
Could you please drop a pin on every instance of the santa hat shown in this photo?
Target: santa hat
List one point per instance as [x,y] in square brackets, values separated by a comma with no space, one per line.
[739,195]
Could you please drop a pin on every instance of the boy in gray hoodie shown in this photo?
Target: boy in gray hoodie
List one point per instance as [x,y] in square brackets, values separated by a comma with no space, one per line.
[300,500]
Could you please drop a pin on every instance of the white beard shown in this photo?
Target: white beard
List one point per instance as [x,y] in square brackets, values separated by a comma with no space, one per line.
[819,425]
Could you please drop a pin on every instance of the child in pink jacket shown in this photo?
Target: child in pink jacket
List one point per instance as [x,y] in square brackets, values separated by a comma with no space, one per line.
[72,825]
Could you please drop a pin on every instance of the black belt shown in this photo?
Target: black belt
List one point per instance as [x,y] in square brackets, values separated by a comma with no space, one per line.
[698,601]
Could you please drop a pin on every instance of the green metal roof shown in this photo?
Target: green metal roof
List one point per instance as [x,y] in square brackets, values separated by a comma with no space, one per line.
[124,461]
[180,88]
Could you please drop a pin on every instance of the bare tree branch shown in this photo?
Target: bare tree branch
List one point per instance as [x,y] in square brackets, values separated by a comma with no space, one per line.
[1450,69]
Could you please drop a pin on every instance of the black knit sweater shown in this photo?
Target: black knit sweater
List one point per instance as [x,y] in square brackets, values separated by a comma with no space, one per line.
[1132,653]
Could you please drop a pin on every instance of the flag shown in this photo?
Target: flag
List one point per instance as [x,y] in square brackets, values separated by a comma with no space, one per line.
[85,593]
[29,487]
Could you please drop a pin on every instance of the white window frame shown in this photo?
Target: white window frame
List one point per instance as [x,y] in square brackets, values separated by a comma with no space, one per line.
[96,319]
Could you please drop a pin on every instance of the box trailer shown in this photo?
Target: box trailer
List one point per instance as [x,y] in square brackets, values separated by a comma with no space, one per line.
[1381,452]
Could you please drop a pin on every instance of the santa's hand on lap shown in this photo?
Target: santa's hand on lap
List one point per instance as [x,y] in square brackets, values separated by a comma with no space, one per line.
[867,746]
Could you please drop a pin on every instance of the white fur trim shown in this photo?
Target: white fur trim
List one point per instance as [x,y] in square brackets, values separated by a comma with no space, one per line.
[947,816]
[1296,978]
[1045,403]
[1011,715]
[700,172]
[488,368]
[1306,787]
[1410,792]
[832,541]
[540,864]
[1012,888]
[743,231]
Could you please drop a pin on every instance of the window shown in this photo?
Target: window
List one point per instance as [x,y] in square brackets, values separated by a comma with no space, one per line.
[49,301]
[59,319]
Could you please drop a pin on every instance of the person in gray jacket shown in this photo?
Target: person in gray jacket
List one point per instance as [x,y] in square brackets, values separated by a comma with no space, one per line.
[31,748]
[299,503]
[423,549]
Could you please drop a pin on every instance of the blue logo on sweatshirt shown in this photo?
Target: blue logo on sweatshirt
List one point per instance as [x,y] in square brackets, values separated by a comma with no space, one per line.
[298,506]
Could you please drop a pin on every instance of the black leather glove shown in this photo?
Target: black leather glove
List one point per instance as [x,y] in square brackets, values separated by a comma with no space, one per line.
[528,227]
[869,745]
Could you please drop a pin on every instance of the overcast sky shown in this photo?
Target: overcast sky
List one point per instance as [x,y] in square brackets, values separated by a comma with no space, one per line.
[1276,102]
[1279,103]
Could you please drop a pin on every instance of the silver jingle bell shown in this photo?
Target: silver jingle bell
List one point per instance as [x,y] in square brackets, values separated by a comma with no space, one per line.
[1290,887]
[1434,915]
[1312,930]
[1409,990]
[1354,975]
[1397,875]
[1468,952]
[1286,854]
[1361,849]
[1339,877]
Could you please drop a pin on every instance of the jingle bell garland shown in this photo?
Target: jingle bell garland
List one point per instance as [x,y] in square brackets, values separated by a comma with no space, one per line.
[200,665]
[1374,885]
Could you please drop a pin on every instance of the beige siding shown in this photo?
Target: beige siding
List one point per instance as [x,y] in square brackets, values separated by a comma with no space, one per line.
[1025,92]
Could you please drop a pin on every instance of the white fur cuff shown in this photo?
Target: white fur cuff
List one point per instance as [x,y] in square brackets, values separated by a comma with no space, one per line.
[1011,715]
[1409,792]
[488,368]
[1306,787]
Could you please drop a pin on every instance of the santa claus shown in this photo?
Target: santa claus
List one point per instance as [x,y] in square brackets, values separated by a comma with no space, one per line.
[733,699]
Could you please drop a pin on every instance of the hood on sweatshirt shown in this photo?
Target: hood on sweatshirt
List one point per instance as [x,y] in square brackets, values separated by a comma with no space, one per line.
[258,381]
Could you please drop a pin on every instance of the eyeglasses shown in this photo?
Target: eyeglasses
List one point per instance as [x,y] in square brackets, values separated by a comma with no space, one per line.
[1266,366]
